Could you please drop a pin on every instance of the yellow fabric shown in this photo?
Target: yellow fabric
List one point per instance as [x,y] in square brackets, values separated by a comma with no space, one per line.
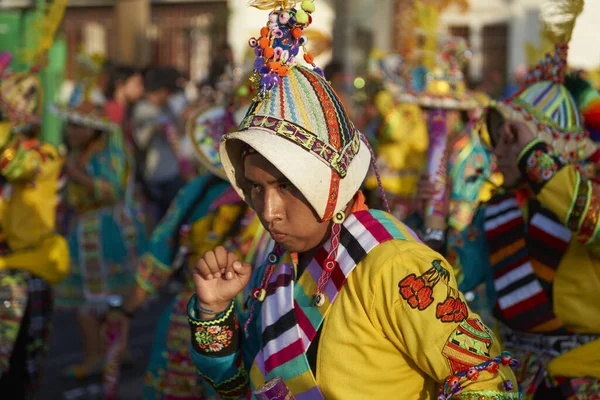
[402,147]
[576,287]
[49,259]
[5,129]
[30,215]
[370,323]
[582,362]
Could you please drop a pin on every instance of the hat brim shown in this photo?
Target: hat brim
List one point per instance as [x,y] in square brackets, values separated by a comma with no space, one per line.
[89,120]
[202,114]
[311,176]
[440,102]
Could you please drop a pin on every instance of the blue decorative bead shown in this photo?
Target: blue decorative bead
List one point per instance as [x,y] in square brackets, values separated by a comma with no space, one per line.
[319,71]
[263,70]
[294,51]
[507,385]
[259,62]
[257,51]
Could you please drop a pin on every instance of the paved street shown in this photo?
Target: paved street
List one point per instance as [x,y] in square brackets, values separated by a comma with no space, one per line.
[66,349]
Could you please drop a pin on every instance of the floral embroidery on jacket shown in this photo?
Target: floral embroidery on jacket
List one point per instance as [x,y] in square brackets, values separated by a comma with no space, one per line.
[453,309]
[418,291]
[540,166]
[213,338]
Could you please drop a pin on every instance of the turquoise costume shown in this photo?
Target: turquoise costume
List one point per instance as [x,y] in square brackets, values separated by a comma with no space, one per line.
[105,236]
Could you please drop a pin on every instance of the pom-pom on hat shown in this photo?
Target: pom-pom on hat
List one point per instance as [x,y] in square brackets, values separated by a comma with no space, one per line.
[297,122]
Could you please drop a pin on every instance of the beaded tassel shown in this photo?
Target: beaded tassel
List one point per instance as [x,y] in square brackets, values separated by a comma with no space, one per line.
[454,384]
[329,265]
[386,205]
[259,293]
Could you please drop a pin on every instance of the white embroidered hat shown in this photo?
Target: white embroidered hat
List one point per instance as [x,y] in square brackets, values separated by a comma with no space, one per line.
[304,131]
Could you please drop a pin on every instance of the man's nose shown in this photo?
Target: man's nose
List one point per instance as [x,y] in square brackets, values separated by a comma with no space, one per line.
[273,206]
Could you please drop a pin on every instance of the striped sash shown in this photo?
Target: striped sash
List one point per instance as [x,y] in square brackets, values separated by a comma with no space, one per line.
[290,320]
[524,259]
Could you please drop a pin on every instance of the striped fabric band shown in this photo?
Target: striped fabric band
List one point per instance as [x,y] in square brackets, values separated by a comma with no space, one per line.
[524,266]
[290,320]
[339,161]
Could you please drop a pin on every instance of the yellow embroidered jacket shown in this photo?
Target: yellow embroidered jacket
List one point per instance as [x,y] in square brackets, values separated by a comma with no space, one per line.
[575,200]
[28,216]
[398,328]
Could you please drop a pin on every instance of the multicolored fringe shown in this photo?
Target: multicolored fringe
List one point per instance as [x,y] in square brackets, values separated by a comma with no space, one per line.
[31,296]
[13,292]
[92,266]
[524,266]
[532,374]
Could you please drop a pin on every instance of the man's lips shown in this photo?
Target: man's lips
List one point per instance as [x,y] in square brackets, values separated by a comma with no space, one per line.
[277,236]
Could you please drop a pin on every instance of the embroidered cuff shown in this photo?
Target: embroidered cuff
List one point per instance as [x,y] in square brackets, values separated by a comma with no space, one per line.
[215,337]
[538,163]
[488,395]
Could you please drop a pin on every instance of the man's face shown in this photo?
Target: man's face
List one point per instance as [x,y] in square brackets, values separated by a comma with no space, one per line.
[282,209]
[507,151]
[134,88]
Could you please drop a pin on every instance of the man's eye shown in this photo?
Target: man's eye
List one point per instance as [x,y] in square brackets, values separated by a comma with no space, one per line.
[285,186]
[254,188]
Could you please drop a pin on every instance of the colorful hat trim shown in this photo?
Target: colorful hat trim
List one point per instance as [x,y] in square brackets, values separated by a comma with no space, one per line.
[90,119]
[337,160]
[205,128]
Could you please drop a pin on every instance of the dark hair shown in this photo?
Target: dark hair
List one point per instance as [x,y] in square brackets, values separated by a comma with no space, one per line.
[118,74]
[162,77]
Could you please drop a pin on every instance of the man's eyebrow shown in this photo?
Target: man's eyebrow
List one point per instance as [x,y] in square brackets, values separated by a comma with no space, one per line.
[282,180]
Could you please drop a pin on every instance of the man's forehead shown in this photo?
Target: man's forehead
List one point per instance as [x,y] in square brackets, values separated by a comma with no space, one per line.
[258,167]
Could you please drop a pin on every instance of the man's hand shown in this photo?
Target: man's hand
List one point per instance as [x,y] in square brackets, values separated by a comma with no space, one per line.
[219,277]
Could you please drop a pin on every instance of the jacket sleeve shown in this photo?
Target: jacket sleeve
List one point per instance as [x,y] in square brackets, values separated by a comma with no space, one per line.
[24,160]
[157,263]
[216,351]
[419,309]
[564,190]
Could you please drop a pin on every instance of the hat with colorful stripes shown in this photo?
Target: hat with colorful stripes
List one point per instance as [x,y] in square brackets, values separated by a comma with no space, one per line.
[547,106]
[543,102]
[297,122]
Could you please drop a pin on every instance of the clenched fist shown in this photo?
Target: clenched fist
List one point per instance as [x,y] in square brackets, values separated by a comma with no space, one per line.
[219,277]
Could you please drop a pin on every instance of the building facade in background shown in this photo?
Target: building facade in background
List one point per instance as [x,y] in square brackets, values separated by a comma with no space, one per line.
[183,34]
